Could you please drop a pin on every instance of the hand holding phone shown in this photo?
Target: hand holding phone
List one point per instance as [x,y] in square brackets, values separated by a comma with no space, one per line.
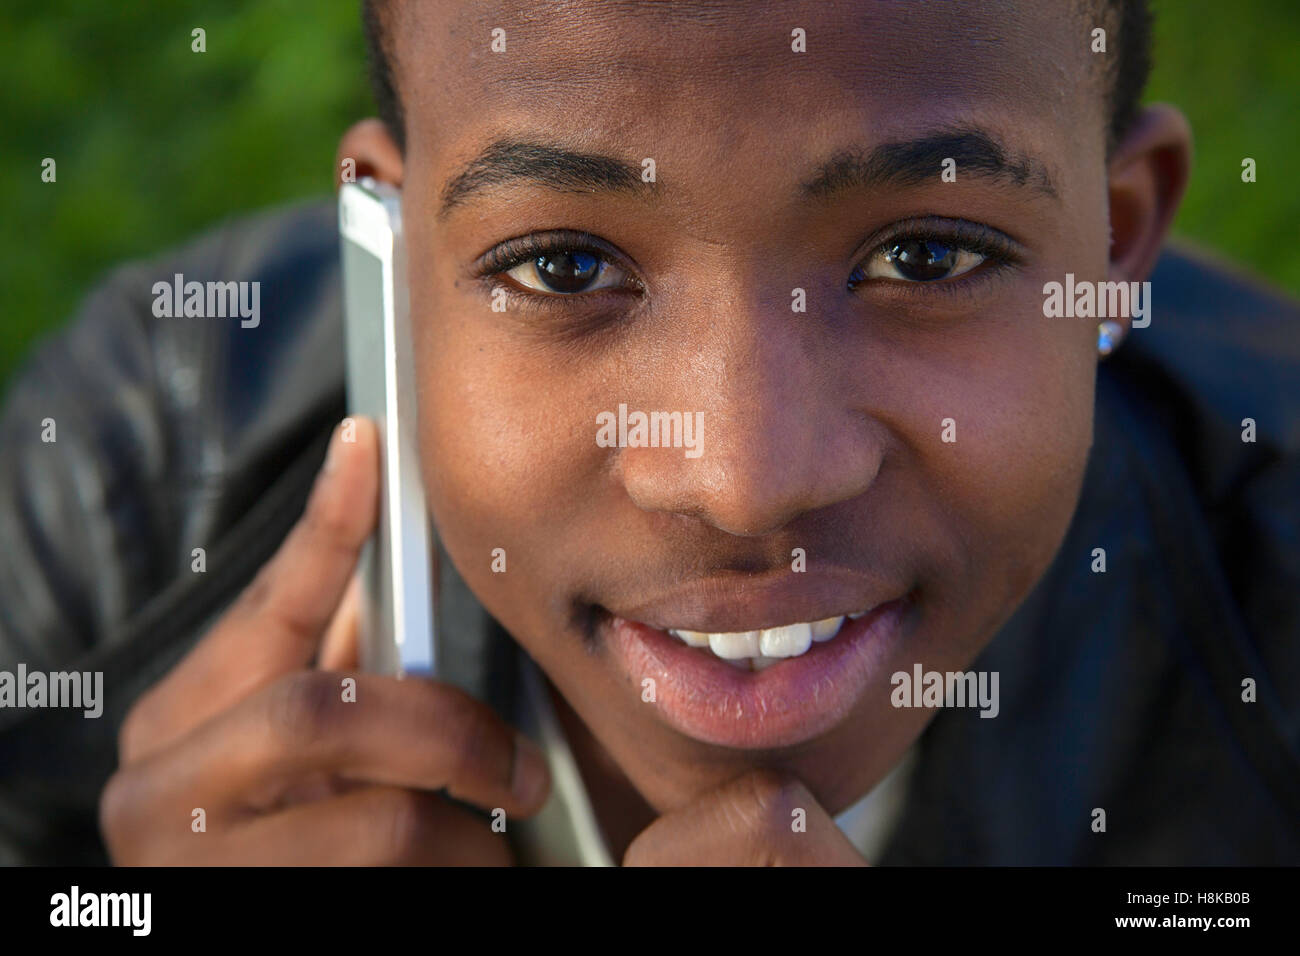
[288,767]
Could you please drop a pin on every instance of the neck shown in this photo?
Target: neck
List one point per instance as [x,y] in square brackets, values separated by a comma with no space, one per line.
[620,810]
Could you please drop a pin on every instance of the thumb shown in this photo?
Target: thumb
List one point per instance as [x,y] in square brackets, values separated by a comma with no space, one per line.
[340,648]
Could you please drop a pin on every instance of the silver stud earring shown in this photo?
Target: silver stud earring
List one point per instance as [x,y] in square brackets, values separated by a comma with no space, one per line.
[1109,335]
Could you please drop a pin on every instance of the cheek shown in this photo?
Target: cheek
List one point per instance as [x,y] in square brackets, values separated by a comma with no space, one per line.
[1012,477]
[504,462]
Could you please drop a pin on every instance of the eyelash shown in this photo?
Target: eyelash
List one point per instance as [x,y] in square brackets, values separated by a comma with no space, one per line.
[999,252]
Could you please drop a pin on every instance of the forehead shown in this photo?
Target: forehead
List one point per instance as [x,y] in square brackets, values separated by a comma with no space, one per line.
[705,82]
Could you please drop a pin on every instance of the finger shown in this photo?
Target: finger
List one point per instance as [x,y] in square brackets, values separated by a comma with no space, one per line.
[762,818]
[276,625]
[372,826]
[339,649]
[408,733]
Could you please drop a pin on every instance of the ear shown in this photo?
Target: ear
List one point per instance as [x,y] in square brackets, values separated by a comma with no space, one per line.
[372,152]
[1147,178]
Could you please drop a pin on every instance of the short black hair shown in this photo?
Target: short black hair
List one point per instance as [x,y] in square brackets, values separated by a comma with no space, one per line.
[1128,21]
[379,55]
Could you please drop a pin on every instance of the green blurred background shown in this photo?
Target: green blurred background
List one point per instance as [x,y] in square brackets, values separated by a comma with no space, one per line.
[154,142]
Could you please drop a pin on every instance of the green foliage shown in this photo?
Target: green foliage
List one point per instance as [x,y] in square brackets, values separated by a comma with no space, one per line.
[1233,69]
[154,142]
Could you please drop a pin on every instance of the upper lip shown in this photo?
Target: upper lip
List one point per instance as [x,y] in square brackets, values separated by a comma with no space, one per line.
[725,604]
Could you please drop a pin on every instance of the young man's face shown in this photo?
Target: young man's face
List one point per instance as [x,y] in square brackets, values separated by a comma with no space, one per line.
[823,429]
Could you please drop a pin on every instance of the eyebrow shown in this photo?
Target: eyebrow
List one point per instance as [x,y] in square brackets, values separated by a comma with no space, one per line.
[564,170]
[975,152]
[905,163]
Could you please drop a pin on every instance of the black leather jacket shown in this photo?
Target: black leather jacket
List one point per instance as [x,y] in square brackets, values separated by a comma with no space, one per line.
[1120,691]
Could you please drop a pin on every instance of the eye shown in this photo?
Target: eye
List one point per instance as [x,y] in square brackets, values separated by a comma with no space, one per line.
[567,272]
[556,265]
[933,250]
[922,260]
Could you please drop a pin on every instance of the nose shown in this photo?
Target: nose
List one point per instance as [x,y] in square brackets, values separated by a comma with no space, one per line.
[781,434]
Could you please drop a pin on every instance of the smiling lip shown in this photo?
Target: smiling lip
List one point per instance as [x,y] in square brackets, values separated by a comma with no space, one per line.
[790,702]
[751,602]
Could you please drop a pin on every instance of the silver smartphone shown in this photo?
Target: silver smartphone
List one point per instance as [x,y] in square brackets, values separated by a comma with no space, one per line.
[398,619]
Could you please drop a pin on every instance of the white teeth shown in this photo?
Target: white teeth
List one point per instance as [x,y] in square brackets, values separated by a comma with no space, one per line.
[825,630]
[765,647]
[790,640]
[693,638]
[858,615]
[733,646]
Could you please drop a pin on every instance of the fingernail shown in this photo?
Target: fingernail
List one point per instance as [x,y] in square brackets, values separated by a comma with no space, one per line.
[530,773]
[332,452]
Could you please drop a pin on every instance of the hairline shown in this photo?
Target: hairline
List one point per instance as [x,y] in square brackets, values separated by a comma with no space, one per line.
[1124,77]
